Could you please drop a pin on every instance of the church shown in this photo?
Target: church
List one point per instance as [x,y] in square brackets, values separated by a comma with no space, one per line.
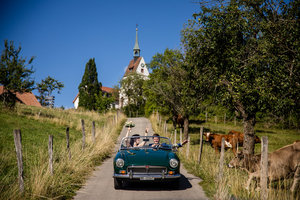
[136,65]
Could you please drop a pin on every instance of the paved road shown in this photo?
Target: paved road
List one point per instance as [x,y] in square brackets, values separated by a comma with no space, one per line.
[100,185]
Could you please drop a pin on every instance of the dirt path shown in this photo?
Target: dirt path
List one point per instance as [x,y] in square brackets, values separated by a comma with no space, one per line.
[100,185]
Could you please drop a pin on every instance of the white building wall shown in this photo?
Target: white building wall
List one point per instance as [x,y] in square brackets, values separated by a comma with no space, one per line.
[142,70]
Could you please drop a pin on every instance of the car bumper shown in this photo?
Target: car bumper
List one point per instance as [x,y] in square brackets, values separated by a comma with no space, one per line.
[147,176]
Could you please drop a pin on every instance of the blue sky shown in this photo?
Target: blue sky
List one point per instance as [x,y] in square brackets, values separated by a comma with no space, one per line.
[64,34]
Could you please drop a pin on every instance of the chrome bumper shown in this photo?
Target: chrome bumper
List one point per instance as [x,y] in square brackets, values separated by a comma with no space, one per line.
[146,176]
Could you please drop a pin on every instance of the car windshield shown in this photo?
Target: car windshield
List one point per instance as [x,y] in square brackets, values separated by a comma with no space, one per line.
[137,142]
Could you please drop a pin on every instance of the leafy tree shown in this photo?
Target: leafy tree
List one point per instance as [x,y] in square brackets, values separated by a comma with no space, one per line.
[89,87]
[239,49]
[104,101]
[14,74]
[46,87]
[171,85]
[132,88]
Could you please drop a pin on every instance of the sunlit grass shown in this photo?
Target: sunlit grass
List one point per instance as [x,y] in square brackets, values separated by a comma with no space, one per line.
[233,184]
[36,125]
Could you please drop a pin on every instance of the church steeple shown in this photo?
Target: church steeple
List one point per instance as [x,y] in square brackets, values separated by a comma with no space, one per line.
[136,48]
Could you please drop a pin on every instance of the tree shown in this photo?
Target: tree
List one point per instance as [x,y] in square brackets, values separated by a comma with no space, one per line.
[14,74]
[235,48]
[132,88]
[46,87]
[89,87]
[171,85]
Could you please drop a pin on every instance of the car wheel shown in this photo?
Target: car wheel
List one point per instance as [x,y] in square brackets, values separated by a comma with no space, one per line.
[118,183]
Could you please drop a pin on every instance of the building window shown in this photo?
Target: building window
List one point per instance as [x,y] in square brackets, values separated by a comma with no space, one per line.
[142,71]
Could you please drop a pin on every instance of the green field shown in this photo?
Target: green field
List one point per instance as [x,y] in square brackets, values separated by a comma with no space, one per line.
[234,179]
[36,124]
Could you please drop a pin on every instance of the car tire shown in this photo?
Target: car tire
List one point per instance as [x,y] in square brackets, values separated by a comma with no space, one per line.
[118,183]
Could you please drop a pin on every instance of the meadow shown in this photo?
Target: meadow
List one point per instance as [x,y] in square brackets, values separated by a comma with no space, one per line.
[234,180]
[36,124]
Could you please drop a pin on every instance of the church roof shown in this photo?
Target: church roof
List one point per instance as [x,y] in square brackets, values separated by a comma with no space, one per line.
[132,67]
[26,97]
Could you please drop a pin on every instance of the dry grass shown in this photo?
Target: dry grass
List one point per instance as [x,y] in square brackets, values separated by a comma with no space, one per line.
[233,184]
[69,174]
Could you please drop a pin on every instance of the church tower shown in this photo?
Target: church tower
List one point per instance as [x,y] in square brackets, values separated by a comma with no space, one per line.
[136,48]
[136,65]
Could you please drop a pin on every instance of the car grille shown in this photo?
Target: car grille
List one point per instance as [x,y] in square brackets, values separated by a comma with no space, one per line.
[147,170]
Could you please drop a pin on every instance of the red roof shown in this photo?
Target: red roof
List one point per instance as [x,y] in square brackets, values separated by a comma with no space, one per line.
[104,89]
[133,64]
[26,97]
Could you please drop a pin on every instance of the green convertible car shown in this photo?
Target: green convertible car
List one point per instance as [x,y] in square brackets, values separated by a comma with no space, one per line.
[151,159]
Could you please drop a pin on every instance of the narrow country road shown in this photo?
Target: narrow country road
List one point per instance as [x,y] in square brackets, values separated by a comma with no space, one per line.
[100,185]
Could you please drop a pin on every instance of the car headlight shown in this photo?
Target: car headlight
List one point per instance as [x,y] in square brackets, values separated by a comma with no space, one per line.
[173,163]
[120,162]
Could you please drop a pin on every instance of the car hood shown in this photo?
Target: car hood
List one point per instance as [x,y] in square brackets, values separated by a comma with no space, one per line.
[147,157]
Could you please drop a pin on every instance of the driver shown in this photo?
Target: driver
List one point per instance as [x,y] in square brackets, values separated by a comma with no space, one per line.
[156,140]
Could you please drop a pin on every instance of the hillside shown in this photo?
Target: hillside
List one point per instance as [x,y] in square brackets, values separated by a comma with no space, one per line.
[36,125]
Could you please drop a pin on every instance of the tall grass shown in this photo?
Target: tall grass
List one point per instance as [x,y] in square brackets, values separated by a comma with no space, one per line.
[232,186]
[69,174]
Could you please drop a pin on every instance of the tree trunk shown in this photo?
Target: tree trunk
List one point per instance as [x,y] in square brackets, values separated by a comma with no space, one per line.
[186,127]
[248,123]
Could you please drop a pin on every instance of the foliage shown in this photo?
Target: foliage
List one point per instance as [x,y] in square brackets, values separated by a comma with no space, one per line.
[103,102]
[132,88]
[89,87]
[46,87]
[171,86]
[234,47]
[14,74]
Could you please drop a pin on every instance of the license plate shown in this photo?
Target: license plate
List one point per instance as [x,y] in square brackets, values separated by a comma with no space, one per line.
[147,178]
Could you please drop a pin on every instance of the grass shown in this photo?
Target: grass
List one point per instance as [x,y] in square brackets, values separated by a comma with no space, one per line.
[232,186]
[36,125]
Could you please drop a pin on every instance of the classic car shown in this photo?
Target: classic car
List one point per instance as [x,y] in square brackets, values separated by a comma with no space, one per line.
[147,162]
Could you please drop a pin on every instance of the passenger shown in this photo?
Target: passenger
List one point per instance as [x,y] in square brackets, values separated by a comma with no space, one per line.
[135,139]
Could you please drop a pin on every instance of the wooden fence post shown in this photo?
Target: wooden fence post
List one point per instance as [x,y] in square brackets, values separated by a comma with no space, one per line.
[221,163]
[206,116]
[216,119]
[18,145]
[188,147]
[175,136]
[93,131]
[201,144]
[83,134]
[50,151]
[165,125]
[180,135]
[264,168]
[68,142]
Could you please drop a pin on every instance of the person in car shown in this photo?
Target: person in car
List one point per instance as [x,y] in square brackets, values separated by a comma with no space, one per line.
[135,139]
[156,140]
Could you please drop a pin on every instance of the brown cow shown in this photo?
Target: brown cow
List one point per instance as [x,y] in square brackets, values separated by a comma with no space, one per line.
[240,137]
[282,163]
[233,140]
[215,141]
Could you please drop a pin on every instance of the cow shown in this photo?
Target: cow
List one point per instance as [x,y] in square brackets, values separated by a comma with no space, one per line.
[282,163]
[240,137]
[215,141]
[233,140]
